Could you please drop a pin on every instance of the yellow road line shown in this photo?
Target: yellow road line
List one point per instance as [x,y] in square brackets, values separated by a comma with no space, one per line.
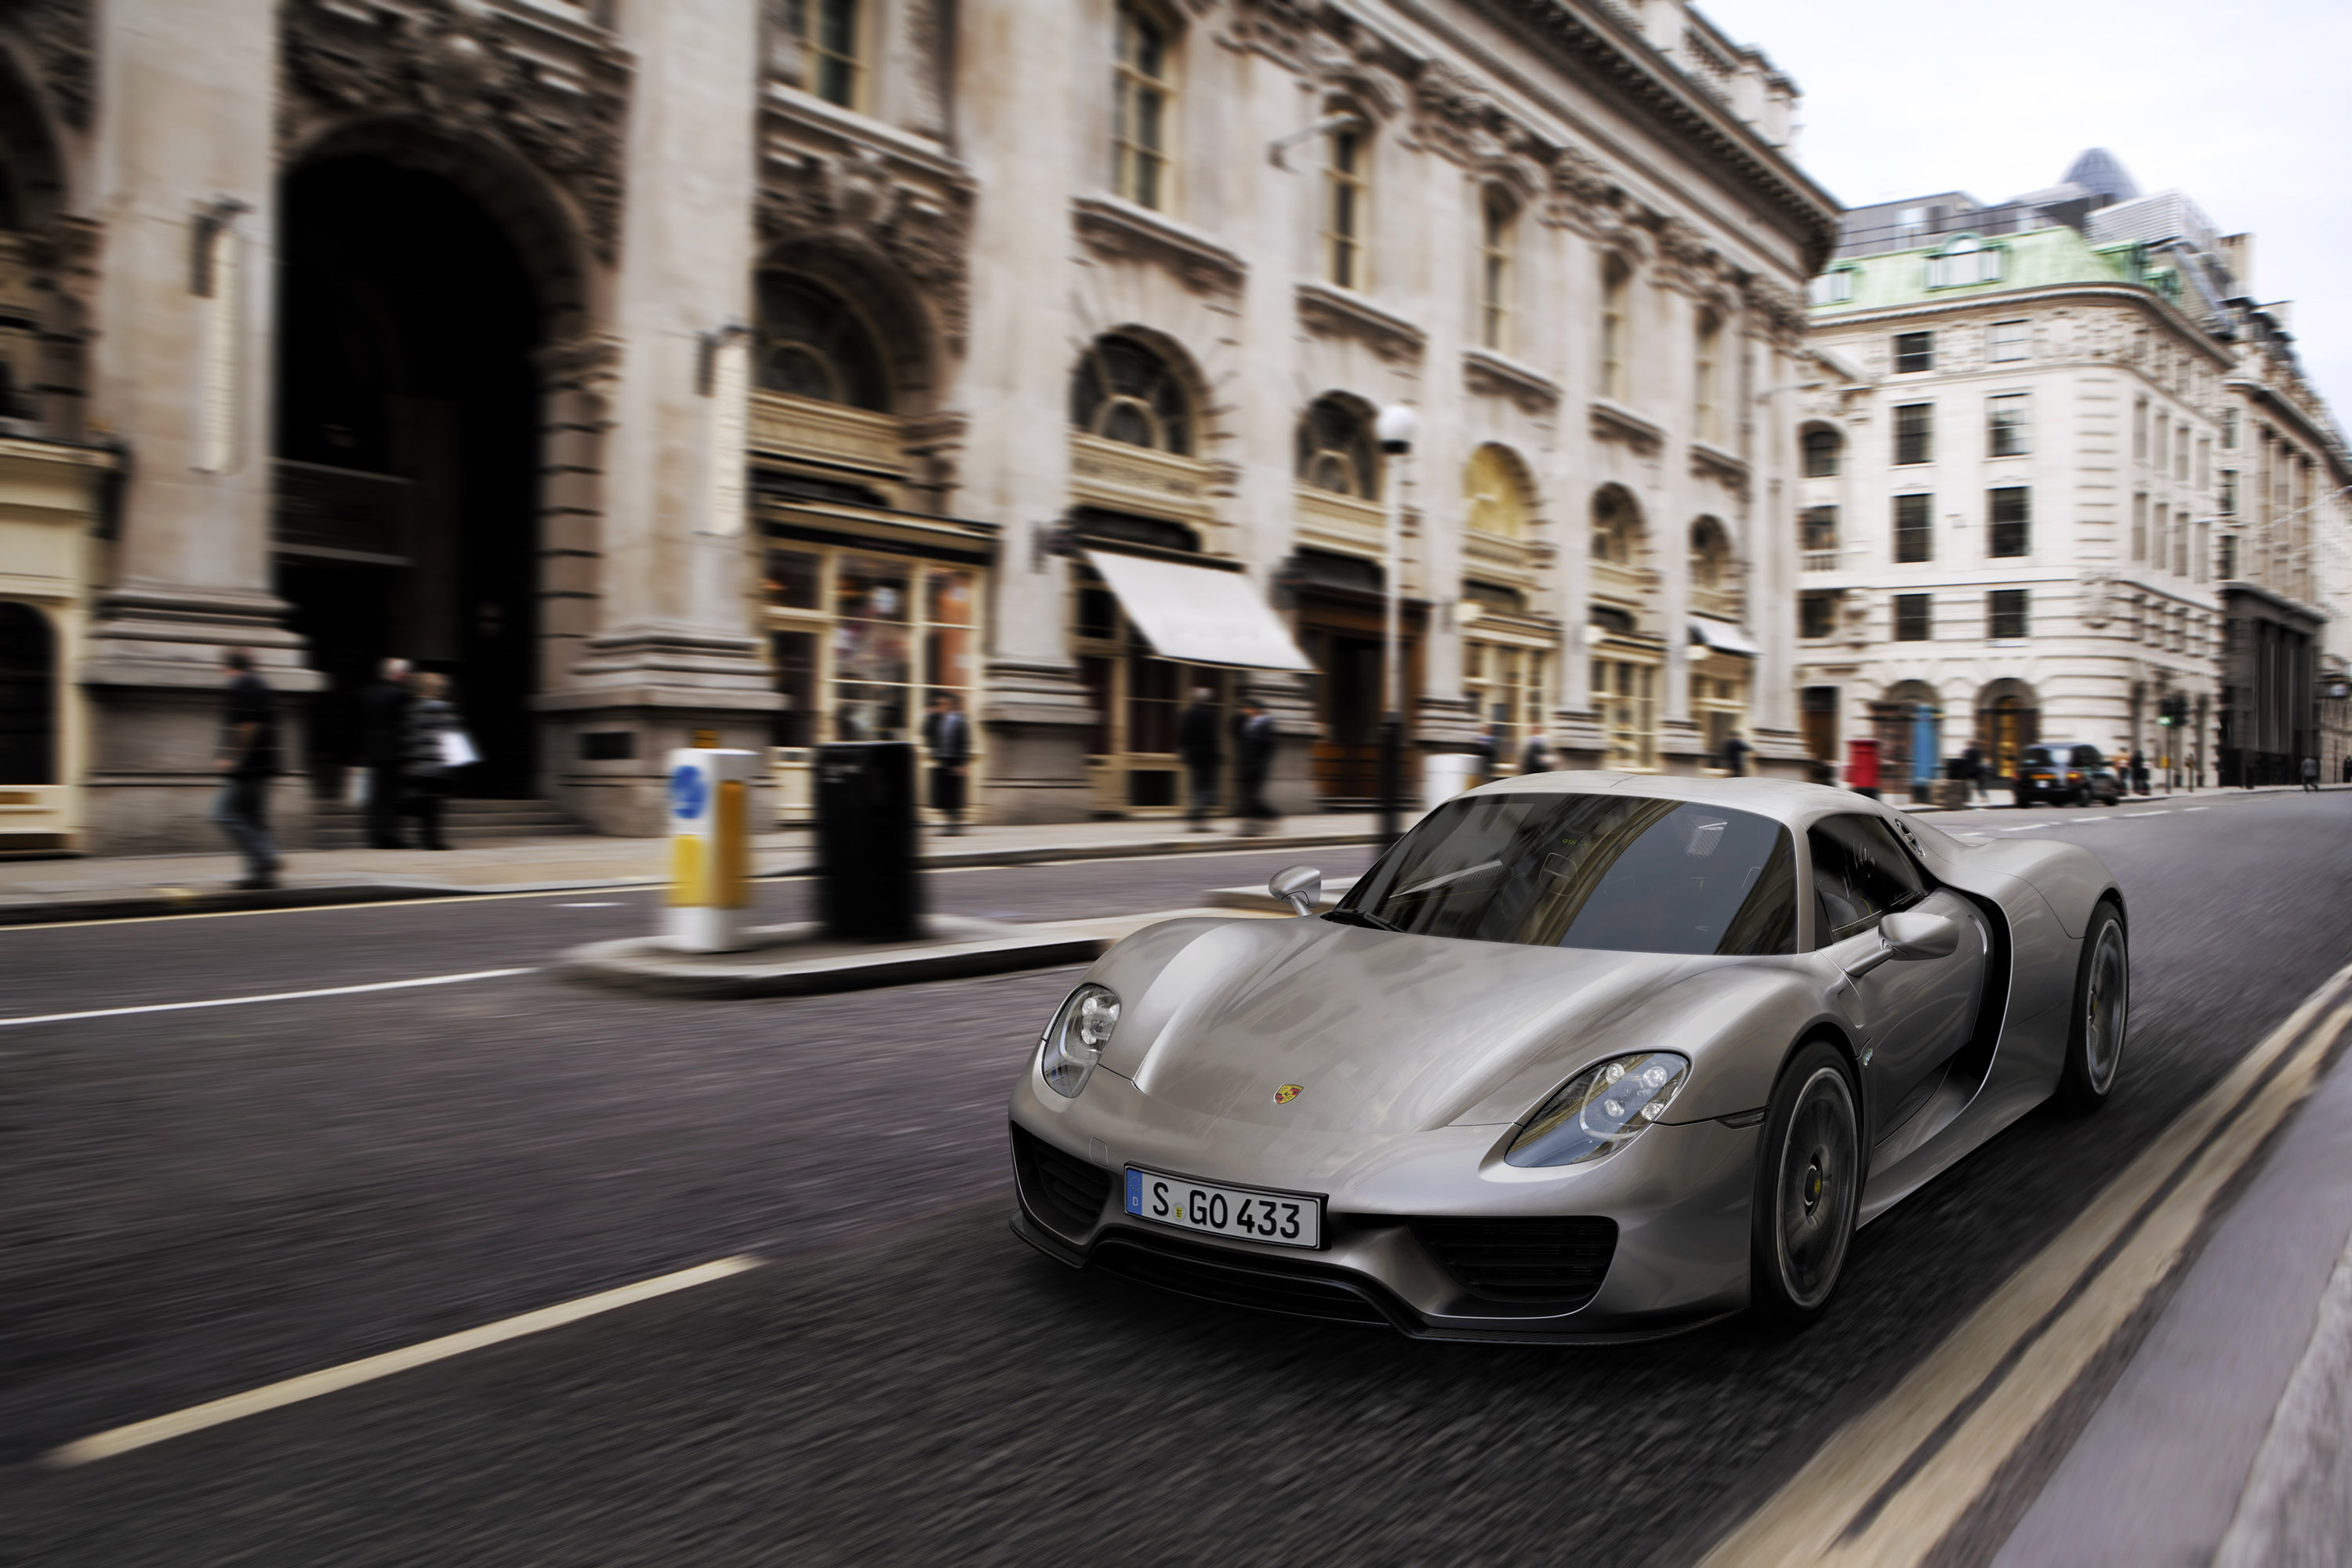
[1816,1518]
[310,1385]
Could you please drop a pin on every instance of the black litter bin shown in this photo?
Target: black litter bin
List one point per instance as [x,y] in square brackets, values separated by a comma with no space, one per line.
[866,886]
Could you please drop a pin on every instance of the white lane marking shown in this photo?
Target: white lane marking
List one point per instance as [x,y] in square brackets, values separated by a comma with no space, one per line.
[2166,811]
[2196,808]
[271,996]
[2096,818]
[310,1385]
[602,904]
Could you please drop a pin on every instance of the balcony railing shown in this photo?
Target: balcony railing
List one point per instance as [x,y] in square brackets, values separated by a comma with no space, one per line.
[1139,479]
[1493,555]
[1820,560]
[1626,586]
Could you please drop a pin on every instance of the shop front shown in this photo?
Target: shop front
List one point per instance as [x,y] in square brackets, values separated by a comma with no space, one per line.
[1340,614]
[1719,667]
[1628,670]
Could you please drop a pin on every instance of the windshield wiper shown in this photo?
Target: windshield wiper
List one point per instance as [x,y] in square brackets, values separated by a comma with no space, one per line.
[1358,917]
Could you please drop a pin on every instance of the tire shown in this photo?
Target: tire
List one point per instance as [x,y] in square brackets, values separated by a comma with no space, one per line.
[2095,1038]
[1808,1189]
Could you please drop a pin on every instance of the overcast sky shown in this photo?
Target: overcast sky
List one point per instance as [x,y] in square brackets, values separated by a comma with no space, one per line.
[2244,107]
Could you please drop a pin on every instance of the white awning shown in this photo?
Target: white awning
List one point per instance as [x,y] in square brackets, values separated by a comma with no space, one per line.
[1198,614]
[1723,636]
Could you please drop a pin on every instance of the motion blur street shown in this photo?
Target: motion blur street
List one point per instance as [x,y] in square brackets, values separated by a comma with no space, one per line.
[207,1201]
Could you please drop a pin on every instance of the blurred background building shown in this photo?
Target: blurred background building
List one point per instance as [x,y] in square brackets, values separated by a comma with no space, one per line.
[720,369]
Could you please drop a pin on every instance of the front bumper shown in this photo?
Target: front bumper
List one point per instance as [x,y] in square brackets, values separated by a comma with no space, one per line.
[1677,1200]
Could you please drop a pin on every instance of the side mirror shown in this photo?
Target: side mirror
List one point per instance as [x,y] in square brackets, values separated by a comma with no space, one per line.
[1909,935]
[1297,886]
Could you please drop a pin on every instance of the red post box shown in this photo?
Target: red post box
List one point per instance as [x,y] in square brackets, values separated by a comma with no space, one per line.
[1862,765]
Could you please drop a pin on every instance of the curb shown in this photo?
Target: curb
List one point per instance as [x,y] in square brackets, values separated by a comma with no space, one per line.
[650,966]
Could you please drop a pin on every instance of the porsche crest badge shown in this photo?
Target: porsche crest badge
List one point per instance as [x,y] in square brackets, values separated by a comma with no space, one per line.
[1288,1093]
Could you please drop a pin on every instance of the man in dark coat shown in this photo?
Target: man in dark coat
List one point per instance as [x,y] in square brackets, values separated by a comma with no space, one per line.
[385,751]
[1254,745]
[946,735]
[1197,743]
[1735,756]
[247,761]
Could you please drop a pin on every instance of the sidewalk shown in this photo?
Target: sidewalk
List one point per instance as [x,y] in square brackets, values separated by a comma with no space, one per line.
[121,887]
[2227,1438]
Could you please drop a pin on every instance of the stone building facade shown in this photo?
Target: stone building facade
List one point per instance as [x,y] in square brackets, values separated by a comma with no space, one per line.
[750,373]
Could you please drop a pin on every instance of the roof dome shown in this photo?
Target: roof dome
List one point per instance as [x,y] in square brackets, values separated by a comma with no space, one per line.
[2101,173]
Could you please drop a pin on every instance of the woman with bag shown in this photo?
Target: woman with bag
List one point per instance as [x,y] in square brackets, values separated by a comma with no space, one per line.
[436,748]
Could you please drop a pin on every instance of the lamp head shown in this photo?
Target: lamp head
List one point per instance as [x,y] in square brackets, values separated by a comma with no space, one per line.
[1396,427]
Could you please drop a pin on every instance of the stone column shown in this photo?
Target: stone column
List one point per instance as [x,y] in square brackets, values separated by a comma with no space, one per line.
[1682,745]
[183,170]
[1772,545]
[1021,128]
[674,656]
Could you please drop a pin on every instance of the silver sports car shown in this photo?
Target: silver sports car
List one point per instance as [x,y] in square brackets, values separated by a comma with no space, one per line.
[1583,1057]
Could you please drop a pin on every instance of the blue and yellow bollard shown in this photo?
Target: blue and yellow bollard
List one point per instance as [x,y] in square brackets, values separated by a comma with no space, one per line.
[710,849]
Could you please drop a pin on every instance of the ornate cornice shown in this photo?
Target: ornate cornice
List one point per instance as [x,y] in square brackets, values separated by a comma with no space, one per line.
[1329,312]
[1491,375]
[1122,231]
[59,35]
[1714,463]
[1615,422]
[557,98]
[855,197]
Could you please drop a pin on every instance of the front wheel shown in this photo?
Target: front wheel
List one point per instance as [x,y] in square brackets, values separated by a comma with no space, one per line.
[1808,1188]
[2094,1042]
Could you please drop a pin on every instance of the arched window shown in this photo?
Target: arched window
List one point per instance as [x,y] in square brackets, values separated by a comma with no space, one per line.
[1123,391]
[28,697]
[1498,500]
[1347,195]
[1966,260]
[832,40]
[1823,448]
[1335,449]
[1616,326]
[1498,221]
[1143,101]
[1706,400]
[1616,526]
[1711,563]
[812,344]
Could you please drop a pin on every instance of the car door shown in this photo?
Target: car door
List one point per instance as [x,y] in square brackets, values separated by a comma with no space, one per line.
[1911,1015]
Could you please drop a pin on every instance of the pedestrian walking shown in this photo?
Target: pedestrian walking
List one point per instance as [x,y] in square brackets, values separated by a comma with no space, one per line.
[946,735]
[1973,769]
[1735,756]
[1197,743]
[2139,771]
[427,763]
[2347,767]
[1254,742]
[385,751]
[1488,748]
[247,761]
[2311,774]
[1536,758]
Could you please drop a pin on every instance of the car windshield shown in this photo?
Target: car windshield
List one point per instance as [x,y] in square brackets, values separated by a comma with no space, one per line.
[1622,873]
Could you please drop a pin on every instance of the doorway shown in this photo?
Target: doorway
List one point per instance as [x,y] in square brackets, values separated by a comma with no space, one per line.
[407,456]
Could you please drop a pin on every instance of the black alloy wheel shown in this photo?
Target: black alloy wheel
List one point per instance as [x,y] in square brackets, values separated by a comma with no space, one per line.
[1808,1189]
[2094,1040]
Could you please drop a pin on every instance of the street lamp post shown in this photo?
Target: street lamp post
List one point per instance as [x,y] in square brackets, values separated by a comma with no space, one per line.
[1396,428]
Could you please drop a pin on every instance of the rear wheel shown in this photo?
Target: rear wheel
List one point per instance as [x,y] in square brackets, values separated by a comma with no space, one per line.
[2094,1042]
[1808,1188]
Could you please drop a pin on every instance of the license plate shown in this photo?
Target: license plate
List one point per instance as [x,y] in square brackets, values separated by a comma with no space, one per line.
[1285,1219]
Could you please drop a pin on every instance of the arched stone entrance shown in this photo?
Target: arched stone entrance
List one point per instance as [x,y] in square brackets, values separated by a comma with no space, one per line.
[407,445]
[2009,719]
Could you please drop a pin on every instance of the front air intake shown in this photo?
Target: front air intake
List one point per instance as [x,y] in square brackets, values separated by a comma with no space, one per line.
[1062,1190]
[1556,1263]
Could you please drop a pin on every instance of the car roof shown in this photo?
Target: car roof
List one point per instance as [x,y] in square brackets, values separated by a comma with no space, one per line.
[1790,801]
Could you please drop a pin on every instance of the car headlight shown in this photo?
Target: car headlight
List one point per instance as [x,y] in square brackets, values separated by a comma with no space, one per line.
[1601,1109]
[1074,1041]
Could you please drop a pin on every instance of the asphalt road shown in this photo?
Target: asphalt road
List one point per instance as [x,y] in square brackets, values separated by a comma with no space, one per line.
[203,1201]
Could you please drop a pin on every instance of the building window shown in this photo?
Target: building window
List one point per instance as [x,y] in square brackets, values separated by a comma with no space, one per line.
[2179,545]
[2203,553]
[2140,428]
[1704,369]
[1508,686]
[2229,429]
[811,343]
[2204,462]
[1915,529]
[2007,614]
[1616,326]
[2006,341]
[1143,96]
[2007,426]
[1833,287]
[1498,499]
[1914,351]
[2139,528]
[1915,617]
[1625,692]
[1816,615]
[2010,510]
[1964,261]
[1818,531]
[2161,428]
[1616,527]
[1122,391]
[864,638]
[1822,449]
[1497,219]
[1915,433]
[1335,450]
[828,33]
[2181,453]
[2229,563]
[1347,189]
[2228,493]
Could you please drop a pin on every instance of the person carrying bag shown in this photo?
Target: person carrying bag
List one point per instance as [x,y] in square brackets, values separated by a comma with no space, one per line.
[436,747]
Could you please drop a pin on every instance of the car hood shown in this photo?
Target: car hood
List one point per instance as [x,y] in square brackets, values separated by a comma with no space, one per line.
[1382,1031]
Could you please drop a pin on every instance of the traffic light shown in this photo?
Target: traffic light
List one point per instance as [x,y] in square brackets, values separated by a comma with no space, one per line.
[2173,711]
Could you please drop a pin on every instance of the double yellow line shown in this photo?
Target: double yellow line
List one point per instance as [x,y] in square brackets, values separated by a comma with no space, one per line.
[1896,1481]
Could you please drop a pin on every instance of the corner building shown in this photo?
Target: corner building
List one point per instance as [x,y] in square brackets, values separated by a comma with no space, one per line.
[715,371]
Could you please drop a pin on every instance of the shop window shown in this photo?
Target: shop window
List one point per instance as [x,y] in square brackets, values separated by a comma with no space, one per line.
[1144,97]
[1625,692]
[1124,390]
[795,657]
[861,639]
[1507,686]
[812,344]
[795,580]
[1335,449]
[28,697]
